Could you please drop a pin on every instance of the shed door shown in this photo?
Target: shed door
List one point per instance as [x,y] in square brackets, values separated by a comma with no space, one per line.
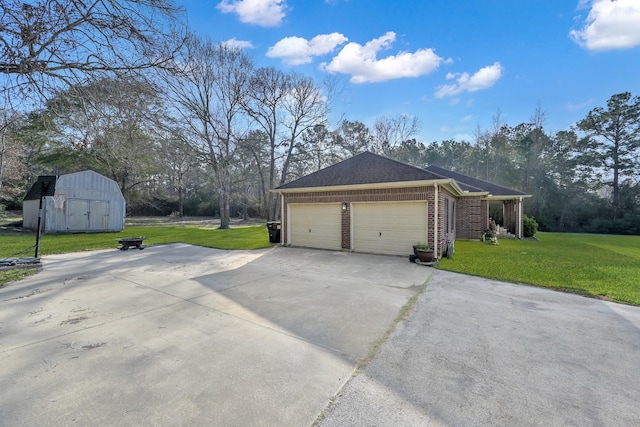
[87,215]
[78,212]
[315,225]
[99,215]
[389,228]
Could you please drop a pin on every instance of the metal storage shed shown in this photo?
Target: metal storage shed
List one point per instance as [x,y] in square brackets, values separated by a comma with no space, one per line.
[83,202]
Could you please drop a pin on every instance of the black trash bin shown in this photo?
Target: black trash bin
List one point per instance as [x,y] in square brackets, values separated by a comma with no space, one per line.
[274,231]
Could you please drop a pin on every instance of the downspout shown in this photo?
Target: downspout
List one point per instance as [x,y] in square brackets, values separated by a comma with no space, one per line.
[520,218]
[282,222]
[435,224]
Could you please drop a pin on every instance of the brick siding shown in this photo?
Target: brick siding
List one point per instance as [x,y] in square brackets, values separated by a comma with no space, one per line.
[346,226]
[471,213]
[472,217]
[351,196]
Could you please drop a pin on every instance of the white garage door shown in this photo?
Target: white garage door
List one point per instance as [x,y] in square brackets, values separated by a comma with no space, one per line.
[389,228]
[315,225]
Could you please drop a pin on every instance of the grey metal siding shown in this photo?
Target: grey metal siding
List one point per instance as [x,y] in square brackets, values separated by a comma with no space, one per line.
[79,194]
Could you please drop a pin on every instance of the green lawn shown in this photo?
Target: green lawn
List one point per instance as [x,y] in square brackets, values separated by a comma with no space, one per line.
[12,245]
[595,265]
[234,238]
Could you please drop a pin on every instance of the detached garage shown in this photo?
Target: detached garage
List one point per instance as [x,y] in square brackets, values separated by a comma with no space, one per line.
[373,204]
[83,202]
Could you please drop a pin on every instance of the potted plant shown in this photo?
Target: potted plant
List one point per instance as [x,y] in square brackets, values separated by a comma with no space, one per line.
[423,252]
[491,234]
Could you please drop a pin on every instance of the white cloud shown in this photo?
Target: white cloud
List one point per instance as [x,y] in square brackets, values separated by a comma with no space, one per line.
[297,50]
[611,24]
[265,13]
[484,78]
[239,44]
[361,62]
[580,105]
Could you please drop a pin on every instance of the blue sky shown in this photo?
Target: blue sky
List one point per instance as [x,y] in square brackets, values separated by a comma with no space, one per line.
[452,64]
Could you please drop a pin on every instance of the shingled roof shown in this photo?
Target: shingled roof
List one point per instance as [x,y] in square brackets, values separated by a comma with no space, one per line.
[474,184]
[370,168]
[364,168]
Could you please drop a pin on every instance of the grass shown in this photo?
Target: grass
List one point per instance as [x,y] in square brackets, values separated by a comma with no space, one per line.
[600,266]
[13,275]
[234,238]
[22,244]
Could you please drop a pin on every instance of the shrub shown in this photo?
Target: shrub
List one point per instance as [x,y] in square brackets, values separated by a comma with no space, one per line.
[529,226]
[628,224]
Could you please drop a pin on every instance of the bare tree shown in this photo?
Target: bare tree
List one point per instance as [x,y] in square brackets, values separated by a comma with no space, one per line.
[176,164]
[46,42]
[207,93]
[284,106]
[305,108]
[10,152]
[269,88]
[391,131]
[107,125]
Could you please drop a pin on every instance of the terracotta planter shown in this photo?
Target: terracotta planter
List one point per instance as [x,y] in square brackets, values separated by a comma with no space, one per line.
[424,255]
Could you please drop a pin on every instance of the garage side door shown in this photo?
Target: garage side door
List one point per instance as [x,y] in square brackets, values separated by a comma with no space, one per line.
[315,225]
[389,228]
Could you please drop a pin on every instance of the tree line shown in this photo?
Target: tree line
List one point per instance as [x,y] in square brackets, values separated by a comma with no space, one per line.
[187,126]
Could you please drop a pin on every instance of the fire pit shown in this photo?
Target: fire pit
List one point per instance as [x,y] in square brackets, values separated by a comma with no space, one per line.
[128,242]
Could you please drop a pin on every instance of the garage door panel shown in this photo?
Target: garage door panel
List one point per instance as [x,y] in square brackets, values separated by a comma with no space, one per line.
[389,228]
[316,225]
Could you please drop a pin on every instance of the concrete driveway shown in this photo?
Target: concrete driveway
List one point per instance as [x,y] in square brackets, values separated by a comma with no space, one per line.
[477,352]
[183,335]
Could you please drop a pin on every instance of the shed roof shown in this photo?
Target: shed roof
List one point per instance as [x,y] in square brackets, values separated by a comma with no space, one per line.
[86,180]
[364,168]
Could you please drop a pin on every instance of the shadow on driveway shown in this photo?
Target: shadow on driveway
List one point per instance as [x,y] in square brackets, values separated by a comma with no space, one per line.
[183,335]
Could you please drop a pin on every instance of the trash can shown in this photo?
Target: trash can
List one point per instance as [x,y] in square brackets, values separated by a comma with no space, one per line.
[274,231]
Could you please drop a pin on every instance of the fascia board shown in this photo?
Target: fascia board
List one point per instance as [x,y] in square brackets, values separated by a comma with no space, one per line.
[373,186]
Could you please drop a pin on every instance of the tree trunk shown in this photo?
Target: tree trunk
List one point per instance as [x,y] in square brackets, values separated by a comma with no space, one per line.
[180,201]
[245,211]
[225,189]
[277,204]
[616,181]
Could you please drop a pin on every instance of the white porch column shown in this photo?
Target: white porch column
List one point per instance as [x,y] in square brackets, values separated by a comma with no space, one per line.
[519,218]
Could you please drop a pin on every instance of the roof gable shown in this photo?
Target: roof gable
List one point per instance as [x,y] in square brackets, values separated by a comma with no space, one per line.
[364,168]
